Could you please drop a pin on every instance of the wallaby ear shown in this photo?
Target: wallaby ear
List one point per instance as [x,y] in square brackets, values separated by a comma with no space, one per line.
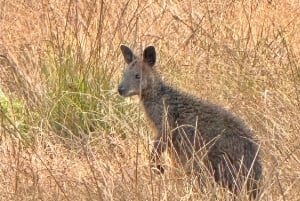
[127,53]
[149,55]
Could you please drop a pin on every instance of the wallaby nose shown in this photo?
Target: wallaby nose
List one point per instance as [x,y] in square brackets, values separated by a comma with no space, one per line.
[121,89]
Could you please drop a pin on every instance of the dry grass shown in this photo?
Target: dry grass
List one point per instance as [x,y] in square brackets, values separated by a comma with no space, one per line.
[67,135]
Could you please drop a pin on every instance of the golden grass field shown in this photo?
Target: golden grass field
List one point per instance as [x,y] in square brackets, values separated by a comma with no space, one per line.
[66,134]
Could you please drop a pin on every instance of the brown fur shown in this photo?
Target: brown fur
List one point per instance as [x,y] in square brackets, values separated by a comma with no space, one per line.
[201,135]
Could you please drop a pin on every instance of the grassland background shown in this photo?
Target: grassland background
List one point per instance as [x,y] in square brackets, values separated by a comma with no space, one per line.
[67,135]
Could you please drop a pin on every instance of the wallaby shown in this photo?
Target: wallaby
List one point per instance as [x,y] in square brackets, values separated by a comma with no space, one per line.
[201,135]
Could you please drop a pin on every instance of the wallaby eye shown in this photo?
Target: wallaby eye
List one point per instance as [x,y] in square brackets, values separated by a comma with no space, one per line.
[137,76]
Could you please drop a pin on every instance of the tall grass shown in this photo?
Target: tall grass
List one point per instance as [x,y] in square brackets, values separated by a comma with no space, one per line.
[67,135]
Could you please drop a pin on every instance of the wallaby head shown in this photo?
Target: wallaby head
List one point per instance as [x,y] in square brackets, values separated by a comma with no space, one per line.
[139,74]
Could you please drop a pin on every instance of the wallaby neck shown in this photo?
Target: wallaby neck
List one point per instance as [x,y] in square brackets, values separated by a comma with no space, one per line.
[156,92]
